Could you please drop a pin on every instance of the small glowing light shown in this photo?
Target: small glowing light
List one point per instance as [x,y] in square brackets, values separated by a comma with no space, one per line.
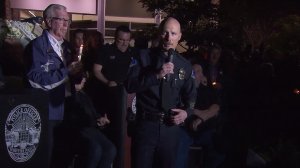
[297,91]
[214,83]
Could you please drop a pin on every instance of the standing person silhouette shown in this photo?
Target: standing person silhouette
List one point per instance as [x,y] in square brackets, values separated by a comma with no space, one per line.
[110,69]
[165,92]
[49,62]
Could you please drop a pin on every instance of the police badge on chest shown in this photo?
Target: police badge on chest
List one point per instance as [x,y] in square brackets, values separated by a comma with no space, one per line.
[181,74]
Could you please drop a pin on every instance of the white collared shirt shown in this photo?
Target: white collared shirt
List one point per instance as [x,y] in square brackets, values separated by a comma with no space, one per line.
[56,45]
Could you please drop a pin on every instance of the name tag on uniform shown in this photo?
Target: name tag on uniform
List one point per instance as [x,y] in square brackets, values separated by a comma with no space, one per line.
[112,57]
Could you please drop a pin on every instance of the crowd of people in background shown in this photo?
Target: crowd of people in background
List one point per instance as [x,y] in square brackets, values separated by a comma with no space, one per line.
[221,100]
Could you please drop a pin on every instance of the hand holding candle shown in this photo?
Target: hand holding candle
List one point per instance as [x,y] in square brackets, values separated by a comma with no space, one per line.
[80,52]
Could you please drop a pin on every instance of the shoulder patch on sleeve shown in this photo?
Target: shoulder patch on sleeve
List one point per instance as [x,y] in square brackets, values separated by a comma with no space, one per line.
[133,62]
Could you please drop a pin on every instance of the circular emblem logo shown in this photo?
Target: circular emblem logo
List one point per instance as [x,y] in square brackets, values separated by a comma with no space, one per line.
[22,132]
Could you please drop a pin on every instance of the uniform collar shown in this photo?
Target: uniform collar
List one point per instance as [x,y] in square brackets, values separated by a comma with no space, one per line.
[53,40]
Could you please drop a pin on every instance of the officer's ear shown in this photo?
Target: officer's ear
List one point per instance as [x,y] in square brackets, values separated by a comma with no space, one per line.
[179,36]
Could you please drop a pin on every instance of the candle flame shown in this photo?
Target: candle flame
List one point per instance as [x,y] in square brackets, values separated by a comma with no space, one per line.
[297,91]
[80,49]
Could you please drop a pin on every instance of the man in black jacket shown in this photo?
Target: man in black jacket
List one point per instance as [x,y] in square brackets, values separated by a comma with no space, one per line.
[164,89]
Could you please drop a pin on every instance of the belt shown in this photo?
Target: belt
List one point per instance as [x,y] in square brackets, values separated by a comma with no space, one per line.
[154,116]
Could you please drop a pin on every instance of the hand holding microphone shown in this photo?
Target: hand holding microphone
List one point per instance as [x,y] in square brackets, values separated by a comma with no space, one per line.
[168,67]
[170,56]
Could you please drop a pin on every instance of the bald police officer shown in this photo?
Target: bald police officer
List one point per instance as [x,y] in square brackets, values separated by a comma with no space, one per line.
[165,91]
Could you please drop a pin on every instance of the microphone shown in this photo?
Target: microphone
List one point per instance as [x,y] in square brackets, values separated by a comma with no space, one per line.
[170,57]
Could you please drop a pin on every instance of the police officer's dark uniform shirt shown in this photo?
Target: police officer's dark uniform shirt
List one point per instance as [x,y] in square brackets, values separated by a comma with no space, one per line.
[142,80]
[114,63]
[206,96]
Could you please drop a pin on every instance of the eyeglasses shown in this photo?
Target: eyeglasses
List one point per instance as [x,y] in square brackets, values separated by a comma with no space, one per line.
[62,19]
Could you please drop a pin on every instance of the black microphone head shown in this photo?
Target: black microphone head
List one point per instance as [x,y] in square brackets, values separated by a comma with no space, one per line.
[171,51]
[171,54]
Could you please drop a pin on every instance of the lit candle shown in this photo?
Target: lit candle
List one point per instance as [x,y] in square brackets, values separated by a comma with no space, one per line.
[296,91]
[80,52]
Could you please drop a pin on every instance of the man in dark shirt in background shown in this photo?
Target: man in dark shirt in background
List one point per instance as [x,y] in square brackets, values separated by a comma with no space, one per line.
[110,69]
[200,129]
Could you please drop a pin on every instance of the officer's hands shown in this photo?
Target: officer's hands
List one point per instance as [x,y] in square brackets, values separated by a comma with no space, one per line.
[102,121]
[167,68]
[179,116]
[112,84]
[194,125]
[75,67]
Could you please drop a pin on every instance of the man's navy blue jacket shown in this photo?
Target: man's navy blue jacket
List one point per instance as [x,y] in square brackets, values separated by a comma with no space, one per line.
[47,71]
